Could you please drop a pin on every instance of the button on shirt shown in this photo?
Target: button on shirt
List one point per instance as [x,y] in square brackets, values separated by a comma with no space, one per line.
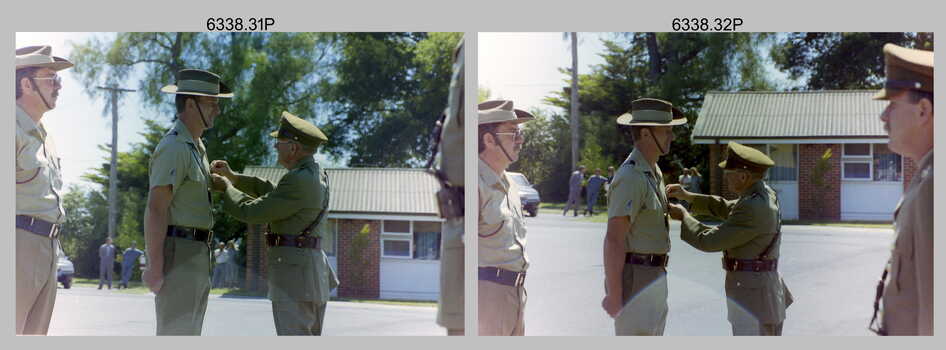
[502,229]
[635,193]
[181,162]
[38,171]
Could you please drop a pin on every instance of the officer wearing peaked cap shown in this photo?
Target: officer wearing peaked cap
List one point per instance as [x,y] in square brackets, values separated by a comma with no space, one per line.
[638,234]
[295,210]
[178,219]
[749,237]
[39,211]
[904,300]
[501,225]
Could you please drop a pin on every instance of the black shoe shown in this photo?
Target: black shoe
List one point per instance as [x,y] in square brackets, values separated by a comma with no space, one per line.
[100,287]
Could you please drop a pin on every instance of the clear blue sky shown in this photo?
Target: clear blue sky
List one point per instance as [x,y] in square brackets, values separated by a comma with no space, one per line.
[78,126]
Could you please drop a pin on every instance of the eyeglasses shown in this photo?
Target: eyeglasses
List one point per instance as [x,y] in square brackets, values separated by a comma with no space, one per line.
[56,80]
[518,135]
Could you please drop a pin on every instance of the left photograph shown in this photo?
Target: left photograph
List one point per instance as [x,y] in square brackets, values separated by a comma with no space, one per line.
[239,184]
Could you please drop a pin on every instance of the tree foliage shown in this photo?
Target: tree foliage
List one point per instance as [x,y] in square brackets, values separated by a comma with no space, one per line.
[840,61]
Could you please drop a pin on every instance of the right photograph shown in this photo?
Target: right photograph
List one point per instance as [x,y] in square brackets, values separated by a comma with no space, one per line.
[788,175]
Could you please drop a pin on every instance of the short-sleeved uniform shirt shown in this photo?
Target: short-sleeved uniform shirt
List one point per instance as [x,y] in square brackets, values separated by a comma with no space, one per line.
[181,162]
[636,193]
[501,224]
[38,171]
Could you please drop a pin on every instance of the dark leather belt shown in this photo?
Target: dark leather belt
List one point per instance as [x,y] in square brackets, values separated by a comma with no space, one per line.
[730,264]
[298,241]
[38,226]
[502,276]
[656,260]
[194,234]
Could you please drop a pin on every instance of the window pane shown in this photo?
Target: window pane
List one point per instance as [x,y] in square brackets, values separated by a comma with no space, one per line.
[396,248]
[886,164]
[785,163]
[426,226]
[427,245]
[857,149]
[397,226]
[856,170]
[328,238]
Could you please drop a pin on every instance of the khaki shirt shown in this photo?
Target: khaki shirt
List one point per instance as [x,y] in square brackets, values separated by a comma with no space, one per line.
[637,192]
[502,228]
[180,162]
[38,171]
[908,290]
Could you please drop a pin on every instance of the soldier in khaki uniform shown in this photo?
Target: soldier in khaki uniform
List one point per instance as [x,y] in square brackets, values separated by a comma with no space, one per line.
[178,218]
[39,209]
[906,286]
[638,234]
[749,239]
[449,173]
[501,225]
[295,209]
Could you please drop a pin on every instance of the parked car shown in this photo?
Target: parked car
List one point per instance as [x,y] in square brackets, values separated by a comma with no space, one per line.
[528,194]
[65,270]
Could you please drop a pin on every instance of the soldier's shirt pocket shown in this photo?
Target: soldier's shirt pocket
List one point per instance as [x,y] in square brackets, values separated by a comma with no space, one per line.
[194,174]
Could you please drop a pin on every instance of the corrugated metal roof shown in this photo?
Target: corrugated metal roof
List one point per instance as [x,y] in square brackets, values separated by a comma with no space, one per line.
[372,190]
[793,114]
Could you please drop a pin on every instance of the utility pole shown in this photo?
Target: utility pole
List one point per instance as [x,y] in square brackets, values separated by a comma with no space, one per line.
[113,171]
[574,100]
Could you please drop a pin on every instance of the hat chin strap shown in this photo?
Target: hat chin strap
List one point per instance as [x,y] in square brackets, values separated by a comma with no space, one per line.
[202,119]
[662,152]
[496,137]
[40,93]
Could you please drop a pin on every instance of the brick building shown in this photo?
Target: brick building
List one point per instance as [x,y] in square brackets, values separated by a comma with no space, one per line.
[863,179]
[385,233]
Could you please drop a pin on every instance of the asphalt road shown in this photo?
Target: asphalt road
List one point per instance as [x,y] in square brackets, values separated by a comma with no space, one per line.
[831,271]
[88,311]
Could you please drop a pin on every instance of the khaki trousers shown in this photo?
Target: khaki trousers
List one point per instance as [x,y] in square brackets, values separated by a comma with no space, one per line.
[501,309]
[298,317]
[757,329]
[36,284]
[450,302]
[182,301]
[645,301]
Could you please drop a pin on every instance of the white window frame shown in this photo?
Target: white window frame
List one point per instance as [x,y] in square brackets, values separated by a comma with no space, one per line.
[768,153]
[398,236]
[858,159]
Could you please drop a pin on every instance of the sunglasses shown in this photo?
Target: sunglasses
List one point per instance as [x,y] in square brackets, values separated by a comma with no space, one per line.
[56,80]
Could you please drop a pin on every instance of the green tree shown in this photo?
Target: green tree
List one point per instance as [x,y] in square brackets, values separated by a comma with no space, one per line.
[840,61]
[388,91]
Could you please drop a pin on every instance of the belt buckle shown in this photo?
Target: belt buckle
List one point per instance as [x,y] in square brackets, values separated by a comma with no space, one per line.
[278,240]
[758,267]
[735,265]
[498,272]
[300,239]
